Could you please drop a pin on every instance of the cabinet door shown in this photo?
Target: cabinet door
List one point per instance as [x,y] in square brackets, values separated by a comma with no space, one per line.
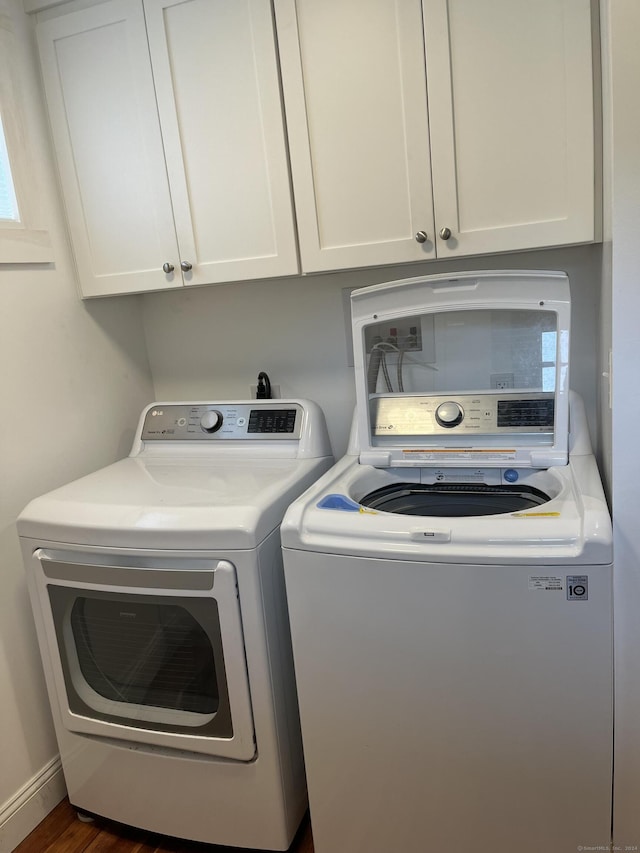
[355,97]
[106,133]
[215,68]
[511,115]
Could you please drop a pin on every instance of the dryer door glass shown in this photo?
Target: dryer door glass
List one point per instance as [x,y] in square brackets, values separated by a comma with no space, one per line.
[146,654]
[143,659]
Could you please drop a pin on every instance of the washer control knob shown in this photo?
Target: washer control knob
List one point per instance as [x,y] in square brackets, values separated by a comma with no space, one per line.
[449,414]
[211,421]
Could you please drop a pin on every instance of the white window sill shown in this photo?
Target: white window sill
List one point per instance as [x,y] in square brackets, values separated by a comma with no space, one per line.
[25,246]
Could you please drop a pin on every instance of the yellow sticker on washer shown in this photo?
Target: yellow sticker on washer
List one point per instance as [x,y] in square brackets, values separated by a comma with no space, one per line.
[535,514]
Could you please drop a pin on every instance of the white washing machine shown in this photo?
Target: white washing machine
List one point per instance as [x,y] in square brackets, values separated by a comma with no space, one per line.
[449,584]
[158,596]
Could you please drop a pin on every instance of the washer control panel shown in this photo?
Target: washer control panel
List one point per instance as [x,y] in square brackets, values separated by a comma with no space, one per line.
[256,420]
[467,414]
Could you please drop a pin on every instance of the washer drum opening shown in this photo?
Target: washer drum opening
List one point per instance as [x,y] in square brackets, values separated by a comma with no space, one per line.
[453,500]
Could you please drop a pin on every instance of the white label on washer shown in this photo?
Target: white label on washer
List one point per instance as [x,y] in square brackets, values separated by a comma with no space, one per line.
[441,477]
[546,582]
[450,455]
[577,588]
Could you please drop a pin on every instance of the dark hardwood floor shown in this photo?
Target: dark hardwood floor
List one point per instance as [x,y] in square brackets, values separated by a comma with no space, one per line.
[62,832]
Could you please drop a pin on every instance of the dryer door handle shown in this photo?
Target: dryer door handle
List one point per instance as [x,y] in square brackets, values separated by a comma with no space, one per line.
[141,577]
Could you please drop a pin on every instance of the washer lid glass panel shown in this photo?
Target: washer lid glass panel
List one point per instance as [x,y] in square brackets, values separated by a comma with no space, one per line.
[461,375]
[457,351]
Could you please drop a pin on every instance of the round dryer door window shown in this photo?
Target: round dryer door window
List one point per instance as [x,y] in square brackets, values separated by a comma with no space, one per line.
[453,500]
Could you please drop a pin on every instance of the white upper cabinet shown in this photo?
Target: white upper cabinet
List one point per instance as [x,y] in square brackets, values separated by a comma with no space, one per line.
[105,127]
[197,181]
[505,134]
[216,74]
[512,126]
[354,88]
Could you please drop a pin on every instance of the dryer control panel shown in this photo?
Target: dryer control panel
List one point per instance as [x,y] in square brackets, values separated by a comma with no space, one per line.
[250,421]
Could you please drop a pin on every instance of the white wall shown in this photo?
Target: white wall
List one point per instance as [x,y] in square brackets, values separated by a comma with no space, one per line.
[623,19]
[74,378]
[207,343]
[606,293]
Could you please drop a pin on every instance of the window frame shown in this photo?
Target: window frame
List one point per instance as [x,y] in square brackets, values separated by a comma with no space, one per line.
[22,241]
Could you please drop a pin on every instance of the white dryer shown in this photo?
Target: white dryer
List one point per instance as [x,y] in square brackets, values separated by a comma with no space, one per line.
[159,602]
[449,583]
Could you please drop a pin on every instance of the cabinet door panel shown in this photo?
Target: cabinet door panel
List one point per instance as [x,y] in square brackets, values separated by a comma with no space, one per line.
[355,97]
[215,68]
[511,113]
[107,137]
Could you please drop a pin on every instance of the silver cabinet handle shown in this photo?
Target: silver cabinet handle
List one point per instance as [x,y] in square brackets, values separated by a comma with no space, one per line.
[167,267]
[421,237]
[445,233]
[185,266]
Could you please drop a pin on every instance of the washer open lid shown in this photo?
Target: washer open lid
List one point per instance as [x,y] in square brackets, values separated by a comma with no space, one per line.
[463,370]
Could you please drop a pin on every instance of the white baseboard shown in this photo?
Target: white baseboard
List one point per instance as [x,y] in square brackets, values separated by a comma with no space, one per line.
[31,804]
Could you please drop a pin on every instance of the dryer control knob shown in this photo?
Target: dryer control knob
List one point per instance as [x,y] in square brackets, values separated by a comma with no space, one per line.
[449,414]
[211,421]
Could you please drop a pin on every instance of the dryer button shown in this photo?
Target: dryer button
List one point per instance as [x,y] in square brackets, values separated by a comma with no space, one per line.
[211,421]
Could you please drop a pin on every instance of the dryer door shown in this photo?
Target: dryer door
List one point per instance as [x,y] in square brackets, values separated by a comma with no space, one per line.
[149,650]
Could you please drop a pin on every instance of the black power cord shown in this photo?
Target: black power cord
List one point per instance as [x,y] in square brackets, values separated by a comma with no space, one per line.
[263,391]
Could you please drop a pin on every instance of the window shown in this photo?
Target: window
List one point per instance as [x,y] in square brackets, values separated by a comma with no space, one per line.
[8,203]
[548,346]
[22,238]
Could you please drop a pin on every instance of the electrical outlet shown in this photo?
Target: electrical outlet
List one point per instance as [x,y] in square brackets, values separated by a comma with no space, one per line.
[500,381]
[275,392]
